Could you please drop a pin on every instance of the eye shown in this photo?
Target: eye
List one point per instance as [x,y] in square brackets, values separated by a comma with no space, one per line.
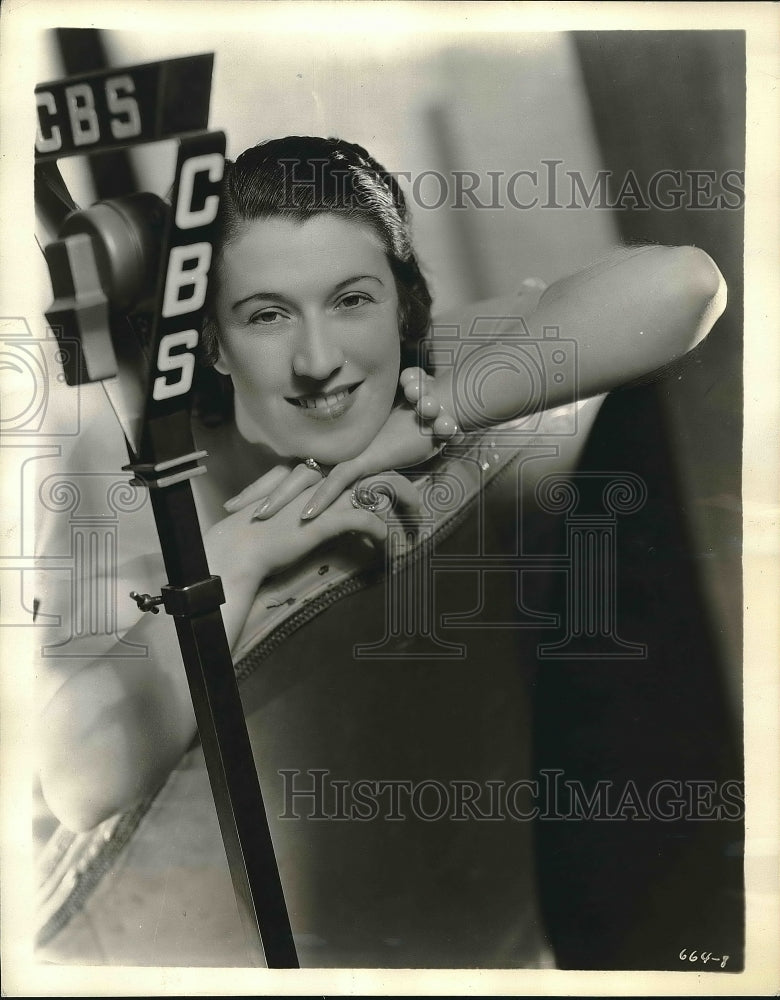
[266,317]
[353,299]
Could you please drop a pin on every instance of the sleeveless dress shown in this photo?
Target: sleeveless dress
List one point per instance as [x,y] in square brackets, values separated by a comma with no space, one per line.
[388,705]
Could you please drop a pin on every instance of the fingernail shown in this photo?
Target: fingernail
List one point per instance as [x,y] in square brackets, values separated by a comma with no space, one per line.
[232,503]
[261,508]
[310,511]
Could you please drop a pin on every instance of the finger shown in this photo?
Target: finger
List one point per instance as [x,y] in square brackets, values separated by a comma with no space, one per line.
[410,375]
[343,518]
[300,479]
[401,491]
[428,407]
[414,389]
[333,485]
[444,426]
[259,489]
[368,524]
[413,382]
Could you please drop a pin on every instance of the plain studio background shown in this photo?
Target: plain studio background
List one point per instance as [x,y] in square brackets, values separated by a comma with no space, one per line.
[624,894]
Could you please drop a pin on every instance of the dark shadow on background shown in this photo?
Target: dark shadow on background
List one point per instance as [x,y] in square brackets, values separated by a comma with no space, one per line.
[632,894]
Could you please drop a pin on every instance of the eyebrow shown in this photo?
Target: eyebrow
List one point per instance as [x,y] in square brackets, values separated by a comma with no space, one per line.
[281,297]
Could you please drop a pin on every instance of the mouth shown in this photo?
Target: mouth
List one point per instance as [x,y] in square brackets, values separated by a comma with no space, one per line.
[326,406]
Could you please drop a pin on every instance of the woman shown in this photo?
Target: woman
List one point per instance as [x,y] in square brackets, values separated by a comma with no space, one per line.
[320,328]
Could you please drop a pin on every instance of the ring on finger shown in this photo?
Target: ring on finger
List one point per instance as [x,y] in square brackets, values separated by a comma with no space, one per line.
[364,498]
[312,463]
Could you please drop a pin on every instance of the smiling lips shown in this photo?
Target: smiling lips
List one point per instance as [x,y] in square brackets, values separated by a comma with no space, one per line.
[326,406]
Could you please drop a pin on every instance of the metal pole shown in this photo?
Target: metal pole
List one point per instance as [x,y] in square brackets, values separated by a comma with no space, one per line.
[156,423]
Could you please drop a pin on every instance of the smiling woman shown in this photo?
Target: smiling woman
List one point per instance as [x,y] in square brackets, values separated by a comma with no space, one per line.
[315,362]
[403,856]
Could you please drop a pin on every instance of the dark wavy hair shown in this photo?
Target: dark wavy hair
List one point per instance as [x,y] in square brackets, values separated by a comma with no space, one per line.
[298,177]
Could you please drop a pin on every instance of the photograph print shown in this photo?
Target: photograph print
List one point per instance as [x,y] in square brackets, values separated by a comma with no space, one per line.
[374,416]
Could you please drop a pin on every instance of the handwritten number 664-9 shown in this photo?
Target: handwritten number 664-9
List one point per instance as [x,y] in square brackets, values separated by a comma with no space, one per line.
[703,956]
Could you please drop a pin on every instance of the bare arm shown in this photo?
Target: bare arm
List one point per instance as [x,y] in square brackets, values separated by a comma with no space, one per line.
[118,724]
[630,314]
[110,734]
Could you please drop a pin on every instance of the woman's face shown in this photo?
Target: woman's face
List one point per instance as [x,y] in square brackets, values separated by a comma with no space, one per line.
[308,331]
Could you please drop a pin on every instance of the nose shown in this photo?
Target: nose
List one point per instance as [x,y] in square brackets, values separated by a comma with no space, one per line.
[317,352]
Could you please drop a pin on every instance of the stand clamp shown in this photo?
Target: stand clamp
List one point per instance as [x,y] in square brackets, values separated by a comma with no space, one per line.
[196,599]
[146,602]
[184,602]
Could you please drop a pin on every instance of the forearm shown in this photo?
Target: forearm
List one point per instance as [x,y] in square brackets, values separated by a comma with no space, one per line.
[628,315]
[241,577]
[113,731]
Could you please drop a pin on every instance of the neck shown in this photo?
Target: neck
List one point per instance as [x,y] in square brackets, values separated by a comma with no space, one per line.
[233,463]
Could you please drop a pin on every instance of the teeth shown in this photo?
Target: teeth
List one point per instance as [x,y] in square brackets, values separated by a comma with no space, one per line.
[320,402]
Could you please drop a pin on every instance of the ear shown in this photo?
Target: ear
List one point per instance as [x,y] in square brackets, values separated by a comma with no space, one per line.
[210,346]
[220,366]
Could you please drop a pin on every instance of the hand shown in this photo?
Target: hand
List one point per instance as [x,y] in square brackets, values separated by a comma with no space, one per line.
[416,432]
[248,547]
[413,433]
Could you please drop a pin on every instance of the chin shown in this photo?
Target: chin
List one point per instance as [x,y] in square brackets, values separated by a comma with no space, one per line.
[330,449]
[327,443]
[332,454]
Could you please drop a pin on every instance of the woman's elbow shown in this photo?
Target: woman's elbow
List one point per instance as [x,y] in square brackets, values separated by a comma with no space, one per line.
[78,806]
[101,756]
[701,290]
[82,789]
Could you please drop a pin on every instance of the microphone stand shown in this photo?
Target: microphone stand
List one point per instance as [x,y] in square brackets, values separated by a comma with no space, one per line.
[151,394]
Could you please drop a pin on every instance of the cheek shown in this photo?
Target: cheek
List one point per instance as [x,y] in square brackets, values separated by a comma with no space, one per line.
[257,365]
[383,368]
[387,358]
[383,350]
